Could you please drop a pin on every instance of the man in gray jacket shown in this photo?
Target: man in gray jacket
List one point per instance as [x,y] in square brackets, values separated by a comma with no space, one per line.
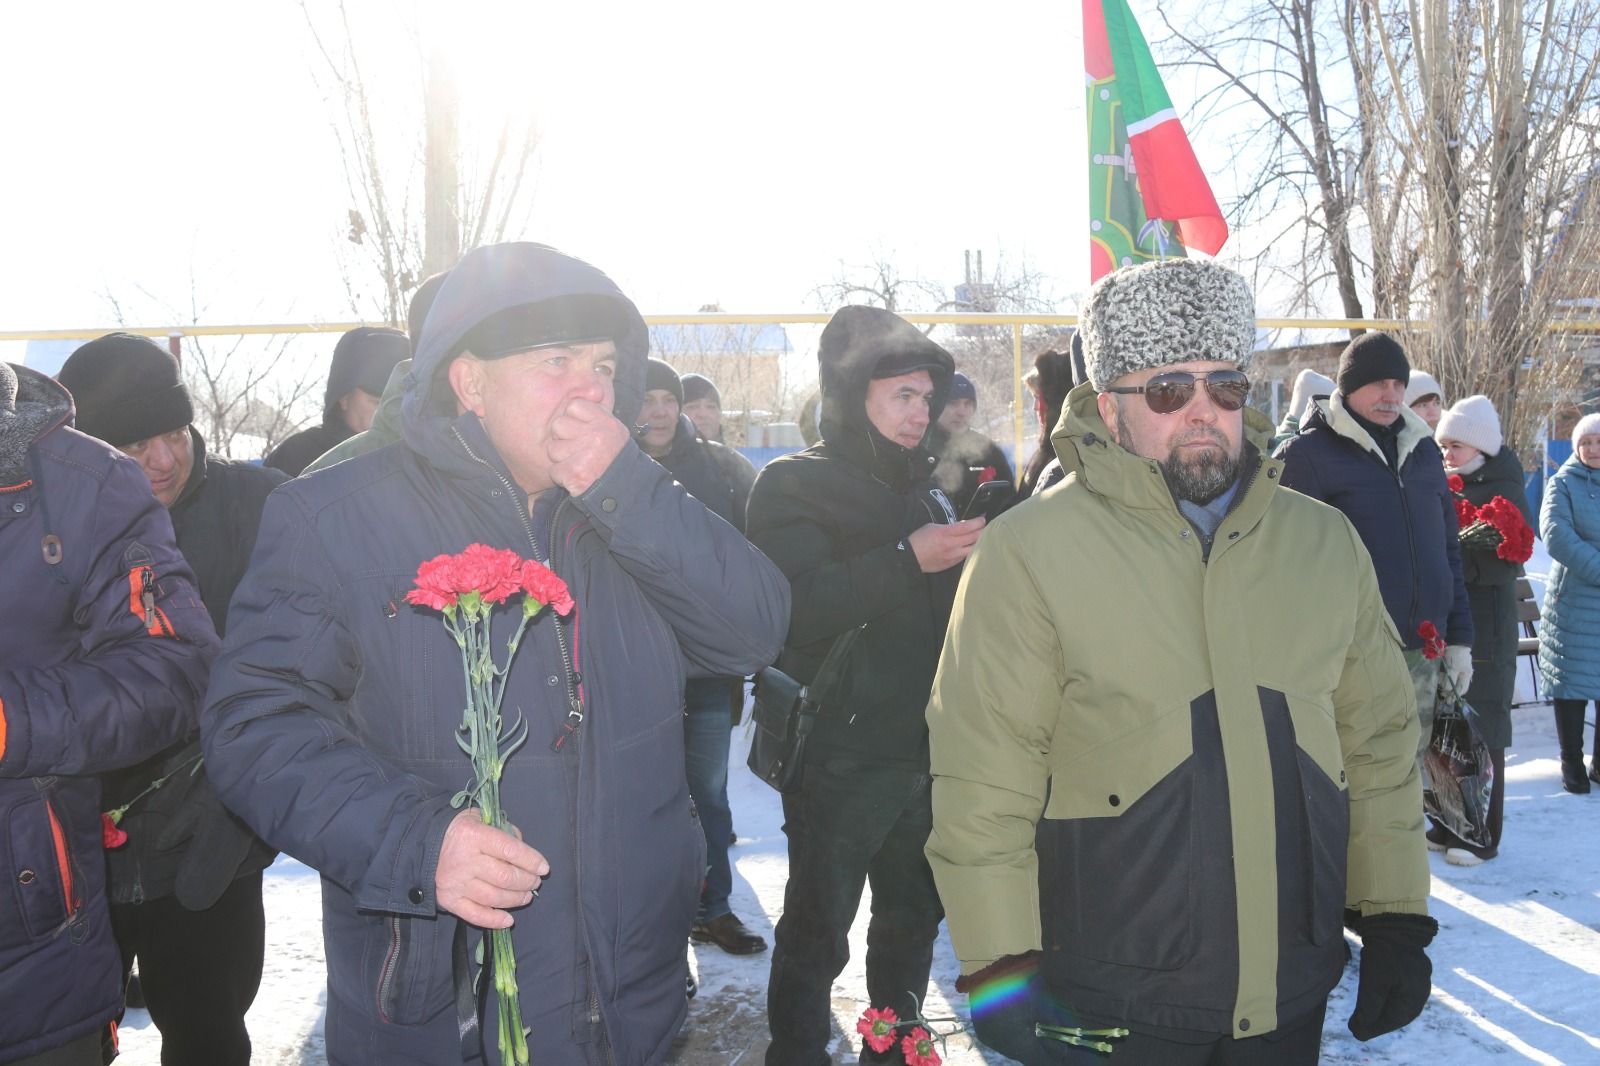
[333,715]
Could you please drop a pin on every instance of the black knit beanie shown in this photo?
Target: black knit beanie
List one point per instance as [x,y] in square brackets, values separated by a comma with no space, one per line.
[126,389]
[1371,357]
[659,375]
[698,387]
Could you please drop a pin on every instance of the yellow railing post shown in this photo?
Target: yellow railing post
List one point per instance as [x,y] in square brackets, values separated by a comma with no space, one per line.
[1016,402]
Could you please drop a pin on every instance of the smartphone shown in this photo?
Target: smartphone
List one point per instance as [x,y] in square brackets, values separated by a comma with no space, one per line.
[990,499]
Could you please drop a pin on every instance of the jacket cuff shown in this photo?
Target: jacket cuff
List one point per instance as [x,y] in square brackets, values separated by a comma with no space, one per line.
[408,887]
[625,487]
[1367,908]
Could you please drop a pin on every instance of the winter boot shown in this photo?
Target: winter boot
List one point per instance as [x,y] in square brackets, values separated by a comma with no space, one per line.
[1569,733]
[1594,763]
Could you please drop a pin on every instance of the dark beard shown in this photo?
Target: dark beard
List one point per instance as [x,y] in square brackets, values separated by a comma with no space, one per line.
[1199,480]
[1203,478]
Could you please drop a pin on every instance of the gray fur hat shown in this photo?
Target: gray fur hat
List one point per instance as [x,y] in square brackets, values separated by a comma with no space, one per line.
[1169,311]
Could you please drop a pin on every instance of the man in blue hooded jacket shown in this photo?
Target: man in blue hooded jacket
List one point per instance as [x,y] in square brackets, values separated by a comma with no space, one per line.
[334,710]
[104,645]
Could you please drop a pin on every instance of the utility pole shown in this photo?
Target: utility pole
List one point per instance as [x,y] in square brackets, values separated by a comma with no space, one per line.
[441,178]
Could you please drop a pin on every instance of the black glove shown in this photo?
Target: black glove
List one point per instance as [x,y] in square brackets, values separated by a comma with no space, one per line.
[1010,1003]
[1396,975]
[214,842]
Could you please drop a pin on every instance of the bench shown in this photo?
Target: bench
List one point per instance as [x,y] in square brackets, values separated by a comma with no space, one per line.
[1528,643]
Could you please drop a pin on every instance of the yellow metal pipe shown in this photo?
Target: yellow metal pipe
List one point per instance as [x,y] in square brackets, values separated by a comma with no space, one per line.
[1584,325]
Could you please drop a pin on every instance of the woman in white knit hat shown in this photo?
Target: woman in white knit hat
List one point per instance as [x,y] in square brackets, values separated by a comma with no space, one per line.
[1474,449]
[1424,396]
[1569,625]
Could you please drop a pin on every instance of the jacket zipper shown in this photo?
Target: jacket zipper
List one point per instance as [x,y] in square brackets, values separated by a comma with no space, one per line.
[569,728]
[390,968]
[574,705]
[63,858]
[1411,535]
[1411,544]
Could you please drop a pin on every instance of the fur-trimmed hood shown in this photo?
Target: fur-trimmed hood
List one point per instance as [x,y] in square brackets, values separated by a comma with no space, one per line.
[31,405]
[1413,430]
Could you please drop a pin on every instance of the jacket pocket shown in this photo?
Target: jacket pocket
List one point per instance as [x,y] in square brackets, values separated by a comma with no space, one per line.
[412,981]
[40,868]
[1116,816]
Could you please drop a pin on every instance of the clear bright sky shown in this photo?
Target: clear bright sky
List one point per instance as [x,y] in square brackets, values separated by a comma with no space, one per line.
[705,151]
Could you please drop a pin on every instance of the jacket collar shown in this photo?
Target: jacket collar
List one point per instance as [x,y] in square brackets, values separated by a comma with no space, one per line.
[894,465]
[197,473]
[1085,448]
[1413,430]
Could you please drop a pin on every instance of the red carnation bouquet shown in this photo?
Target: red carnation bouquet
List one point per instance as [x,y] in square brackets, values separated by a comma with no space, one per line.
[1497,524]
[467,588]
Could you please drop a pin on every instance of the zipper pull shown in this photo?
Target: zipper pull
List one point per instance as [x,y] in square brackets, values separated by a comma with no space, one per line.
[147,592]
[569,728]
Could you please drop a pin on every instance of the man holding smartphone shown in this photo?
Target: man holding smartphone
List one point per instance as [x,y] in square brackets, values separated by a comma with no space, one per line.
[866,543]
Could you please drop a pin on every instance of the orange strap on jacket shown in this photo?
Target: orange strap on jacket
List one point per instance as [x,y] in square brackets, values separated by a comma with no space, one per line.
[142,602]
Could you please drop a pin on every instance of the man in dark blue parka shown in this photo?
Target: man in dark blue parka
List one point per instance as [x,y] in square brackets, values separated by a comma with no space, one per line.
[332,718]
[104,646]
[1365,452]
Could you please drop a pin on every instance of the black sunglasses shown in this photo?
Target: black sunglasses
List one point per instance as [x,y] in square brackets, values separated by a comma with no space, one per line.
[1171,392]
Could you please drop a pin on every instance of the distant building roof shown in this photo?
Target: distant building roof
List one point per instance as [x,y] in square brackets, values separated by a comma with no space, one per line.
[47,356]
[715,339]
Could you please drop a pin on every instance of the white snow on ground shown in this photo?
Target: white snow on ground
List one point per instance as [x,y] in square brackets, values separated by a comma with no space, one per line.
[1515,964]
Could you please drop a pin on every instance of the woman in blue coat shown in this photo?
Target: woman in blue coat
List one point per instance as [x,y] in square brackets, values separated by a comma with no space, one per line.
[1569,645]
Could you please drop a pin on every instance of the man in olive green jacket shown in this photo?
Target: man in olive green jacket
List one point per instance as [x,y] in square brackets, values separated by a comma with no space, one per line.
[1153,799]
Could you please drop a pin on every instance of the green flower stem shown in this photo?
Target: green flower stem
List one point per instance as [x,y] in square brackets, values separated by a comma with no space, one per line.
[487,744]
[197,761]
[1074,1036]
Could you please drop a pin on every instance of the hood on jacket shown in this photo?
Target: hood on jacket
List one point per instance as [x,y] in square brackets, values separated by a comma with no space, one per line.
[31,405]
[497,278]
[1331,410]
[854,341]
[363,359]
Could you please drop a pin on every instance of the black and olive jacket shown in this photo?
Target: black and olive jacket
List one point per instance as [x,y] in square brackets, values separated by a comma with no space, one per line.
[1142,770]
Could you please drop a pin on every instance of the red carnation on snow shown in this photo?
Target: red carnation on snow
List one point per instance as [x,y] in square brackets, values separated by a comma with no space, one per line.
[878,1026]
[917,1047]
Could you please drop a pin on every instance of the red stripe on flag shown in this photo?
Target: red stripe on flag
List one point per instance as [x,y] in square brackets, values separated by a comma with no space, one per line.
[1175,188]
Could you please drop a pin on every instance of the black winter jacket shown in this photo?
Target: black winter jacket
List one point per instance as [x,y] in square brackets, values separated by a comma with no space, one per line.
[712,473]
[215,518]
[300,450]
[835,518]
[333,716]
[1491,590]
[103,659]
[1406,518]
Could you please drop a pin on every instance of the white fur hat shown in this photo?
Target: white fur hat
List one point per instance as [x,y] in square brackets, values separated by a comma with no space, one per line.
[1586,425]
[1308,384]
[1471,421]
[1423,384]
[1165,312]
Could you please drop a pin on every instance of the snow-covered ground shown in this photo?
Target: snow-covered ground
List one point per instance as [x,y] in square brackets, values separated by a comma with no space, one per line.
[1516,964]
